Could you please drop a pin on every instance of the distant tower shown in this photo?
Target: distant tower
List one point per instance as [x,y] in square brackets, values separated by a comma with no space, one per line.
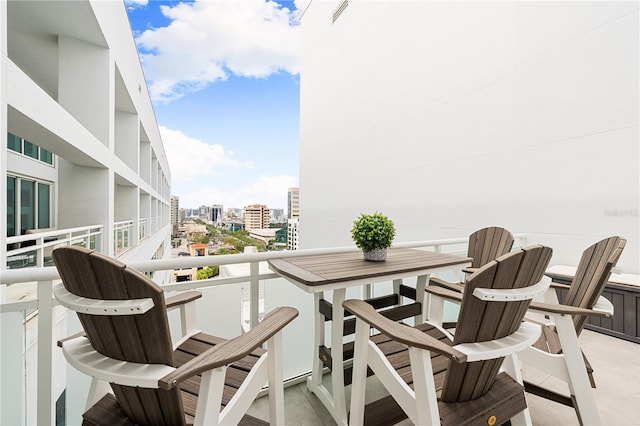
[293,217]
[293,226]
[216,213]
[256,216]
[175,208]
[293,202]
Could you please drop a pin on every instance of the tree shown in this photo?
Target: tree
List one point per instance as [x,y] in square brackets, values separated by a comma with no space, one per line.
[207,272]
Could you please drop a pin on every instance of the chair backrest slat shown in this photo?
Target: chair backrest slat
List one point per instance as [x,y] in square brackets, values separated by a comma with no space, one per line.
[142,338]
[487,244]
[592,274]
[487,320]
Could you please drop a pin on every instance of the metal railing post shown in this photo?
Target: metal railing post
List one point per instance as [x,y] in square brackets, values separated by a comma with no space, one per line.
[254,294]
[45,354]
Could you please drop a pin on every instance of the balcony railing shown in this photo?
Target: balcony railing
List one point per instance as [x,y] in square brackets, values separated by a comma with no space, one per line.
[35,249]
[122,237]
[143,228]
[256,277]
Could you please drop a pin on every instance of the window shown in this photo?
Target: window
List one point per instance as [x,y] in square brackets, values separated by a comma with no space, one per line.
[19,145]
[27,205]
[14,143]
[11,206]
[44,205]
[46,156]
[30,150]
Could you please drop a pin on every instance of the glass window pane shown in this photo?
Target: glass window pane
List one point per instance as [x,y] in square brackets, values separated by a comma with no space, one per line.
[11,206]
[46,156]
[27,205]
[14,143]
[44,205]
[30,149]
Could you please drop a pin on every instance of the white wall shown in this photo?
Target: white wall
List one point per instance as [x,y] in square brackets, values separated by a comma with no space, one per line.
[450,116]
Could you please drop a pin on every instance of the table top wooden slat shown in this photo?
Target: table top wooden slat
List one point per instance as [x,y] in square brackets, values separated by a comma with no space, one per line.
[316,270]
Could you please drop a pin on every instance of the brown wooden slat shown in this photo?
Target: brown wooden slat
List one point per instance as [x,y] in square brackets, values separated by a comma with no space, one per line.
[106,411]
[505,400]
[548,394]
[487,244]
[408,292]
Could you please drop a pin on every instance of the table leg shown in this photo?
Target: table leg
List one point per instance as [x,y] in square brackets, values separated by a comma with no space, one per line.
[318,340]
[337,373]
[334,401]
[422,297]
[396,290]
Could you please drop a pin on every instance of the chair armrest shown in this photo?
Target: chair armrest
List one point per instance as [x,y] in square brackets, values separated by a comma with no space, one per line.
[469,270]
[560,286]
[452,295]
[438,282]
[73,336]
[182,298]
[231,350]
[399,332]
[566,310]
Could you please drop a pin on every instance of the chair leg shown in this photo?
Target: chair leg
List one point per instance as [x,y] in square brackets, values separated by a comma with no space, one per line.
[424,387]
[276,387]
[511,366]
[359,373]
[579,385]
[210,398]
[97,390]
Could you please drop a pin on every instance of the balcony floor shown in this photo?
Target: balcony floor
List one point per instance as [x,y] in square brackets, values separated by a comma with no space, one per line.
[616,365]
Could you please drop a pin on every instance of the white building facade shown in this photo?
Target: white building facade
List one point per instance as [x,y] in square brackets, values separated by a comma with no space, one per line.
[81,157]
[452,116]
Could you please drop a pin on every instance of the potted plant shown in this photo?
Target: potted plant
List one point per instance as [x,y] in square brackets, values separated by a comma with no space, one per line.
[373,233]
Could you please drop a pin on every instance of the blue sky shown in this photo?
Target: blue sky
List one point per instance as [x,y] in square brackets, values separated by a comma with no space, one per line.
[224,79]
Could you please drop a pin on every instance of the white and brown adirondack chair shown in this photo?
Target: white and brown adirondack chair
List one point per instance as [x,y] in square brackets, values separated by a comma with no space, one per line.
[485,245]
[436,378]
[558,351]
[126,343]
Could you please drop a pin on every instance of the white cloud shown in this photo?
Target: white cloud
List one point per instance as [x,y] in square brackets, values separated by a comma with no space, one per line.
[209,39]
[268,190]
[193,163]
[133,4]
[191,159]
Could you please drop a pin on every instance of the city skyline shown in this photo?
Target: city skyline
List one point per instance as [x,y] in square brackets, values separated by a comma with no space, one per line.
[224,81]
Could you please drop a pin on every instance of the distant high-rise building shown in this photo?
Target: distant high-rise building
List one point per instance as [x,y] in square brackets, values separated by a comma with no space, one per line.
[216,213]
[293,227]
[293,202]
[233,214]
[256,216]
[182,215]
[293,215]
[277,215]
[204,212]
[175,219]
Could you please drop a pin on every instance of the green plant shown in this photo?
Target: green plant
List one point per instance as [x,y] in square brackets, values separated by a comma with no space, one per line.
[373,231]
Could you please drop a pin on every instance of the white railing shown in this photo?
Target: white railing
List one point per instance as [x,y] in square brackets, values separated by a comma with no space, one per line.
[46,276]
[153,224]
[122,237]
[35,249]
[143,228]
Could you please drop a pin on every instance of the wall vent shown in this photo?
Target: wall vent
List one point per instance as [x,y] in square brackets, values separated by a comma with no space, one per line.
[339,10]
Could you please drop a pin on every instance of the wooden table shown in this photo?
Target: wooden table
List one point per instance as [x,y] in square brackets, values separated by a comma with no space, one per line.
[337,272]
